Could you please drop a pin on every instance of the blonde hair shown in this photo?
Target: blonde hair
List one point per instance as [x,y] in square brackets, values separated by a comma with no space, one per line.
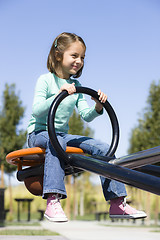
[60,44]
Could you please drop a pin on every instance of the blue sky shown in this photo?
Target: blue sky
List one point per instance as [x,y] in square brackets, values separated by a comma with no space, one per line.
[122,58]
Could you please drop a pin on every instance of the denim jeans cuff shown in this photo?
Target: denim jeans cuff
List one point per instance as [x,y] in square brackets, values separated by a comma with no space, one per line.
[46,192]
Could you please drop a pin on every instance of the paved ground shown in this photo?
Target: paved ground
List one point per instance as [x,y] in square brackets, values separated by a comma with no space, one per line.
[32,238]
[83,230]
[88,230]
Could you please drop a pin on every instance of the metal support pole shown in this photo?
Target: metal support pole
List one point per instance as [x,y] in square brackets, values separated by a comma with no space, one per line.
[2,210]
[18,212]
[138,159]
[28,211]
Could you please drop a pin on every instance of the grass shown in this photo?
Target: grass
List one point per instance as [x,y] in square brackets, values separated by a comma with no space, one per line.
[23,231]
[22,223]
[23,216]
[28,232]
[156,230]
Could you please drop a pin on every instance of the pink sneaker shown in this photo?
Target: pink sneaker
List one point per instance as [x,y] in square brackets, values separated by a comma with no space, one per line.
[120,209]
[54,211]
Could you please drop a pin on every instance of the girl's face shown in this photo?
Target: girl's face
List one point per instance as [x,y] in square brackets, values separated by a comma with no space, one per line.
[73,60]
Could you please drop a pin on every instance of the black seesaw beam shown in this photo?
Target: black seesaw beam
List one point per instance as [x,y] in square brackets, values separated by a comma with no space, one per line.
[150,169]
[128,176]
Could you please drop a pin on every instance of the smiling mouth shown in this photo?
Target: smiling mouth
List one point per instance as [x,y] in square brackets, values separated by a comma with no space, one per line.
[75,67]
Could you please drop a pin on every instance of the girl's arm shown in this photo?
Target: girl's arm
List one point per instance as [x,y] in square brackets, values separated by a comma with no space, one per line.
[42,102]
[87,113]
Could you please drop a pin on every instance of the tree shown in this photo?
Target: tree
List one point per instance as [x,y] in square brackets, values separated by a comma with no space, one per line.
[147,133]
[11,137]
[78,127]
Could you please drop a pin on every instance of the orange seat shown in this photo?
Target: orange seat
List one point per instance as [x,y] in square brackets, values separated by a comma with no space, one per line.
[33,157]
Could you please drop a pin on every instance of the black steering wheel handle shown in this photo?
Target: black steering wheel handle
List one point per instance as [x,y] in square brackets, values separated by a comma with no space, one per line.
[51,128]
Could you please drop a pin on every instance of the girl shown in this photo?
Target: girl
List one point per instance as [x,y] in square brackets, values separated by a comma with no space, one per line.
[65,64]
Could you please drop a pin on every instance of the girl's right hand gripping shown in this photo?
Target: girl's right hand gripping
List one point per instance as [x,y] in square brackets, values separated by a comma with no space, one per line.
[70,88]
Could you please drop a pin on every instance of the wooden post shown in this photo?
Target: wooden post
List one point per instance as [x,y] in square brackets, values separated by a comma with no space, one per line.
[75,200]
[148,207]
[2,176]
[156,209]
[68,201]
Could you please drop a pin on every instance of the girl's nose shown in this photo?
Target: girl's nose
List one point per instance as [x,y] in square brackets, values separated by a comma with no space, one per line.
[78,60]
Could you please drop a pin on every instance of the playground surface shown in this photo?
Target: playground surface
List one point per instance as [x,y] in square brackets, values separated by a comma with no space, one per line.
[32,238]
[86,230]
[93,230]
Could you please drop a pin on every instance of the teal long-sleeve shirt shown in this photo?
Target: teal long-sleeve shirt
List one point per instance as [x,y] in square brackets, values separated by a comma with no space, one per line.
[47,87]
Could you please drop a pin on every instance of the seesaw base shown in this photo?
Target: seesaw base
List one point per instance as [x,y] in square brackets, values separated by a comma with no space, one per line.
[33,159]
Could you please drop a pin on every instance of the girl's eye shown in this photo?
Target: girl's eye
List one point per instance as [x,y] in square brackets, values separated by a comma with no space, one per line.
[74,55]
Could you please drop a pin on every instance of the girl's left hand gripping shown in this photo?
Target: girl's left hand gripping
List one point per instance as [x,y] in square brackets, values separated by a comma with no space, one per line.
[102,98]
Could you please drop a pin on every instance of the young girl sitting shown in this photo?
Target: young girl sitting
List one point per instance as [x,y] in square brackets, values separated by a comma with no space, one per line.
[65,64]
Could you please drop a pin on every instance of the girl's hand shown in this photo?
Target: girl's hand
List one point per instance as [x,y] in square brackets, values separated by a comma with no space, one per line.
[102,98]
[70,88]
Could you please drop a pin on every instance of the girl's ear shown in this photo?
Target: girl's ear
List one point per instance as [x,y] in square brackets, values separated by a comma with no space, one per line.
[58,56]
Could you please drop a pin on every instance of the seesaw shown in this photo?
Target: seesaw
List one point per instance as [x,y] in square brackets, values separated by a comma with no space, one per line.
[135,170]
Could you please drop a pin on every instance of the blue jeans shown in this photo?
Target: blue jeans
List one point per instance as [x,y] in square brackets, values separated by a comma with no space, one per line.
[53,181]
